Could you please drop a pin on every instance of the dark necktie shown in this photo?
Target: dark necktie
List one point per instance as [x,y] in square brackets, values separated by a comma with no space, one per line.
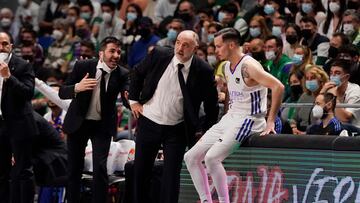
[187,103]
[102,88]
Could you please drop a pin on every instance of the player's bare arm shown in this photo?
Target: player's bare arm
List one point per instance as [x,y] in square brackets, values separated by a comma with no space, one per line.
[258,75]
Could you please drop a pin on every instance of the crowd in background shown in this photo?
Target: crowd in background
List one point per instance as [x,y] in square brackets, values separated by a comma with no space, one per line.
[311,46]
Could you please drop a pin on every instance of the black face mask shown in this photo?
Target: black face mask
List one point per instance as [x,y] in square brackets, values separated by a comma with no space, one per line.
[325,113]
[29,58]
[259,56]
[82,33]
[293,7]
[292,39]
[144,32]
[26,42]
[185,16]
[296,91]
[333,52]
[306,33]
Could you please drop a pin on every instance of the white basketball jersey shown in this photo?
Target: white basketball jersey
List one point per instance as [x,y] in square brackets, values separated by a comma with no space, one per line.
[244,100]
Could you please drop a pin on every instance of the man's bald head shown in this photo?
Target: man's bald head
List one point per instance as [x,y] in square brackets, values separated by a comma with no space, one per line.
[256,45]
[186,45]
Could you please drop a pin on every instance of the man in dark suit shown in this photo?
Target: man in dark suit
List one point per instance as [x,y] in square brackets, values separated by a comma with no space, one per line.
[166,91]
[17,125]
[93,87]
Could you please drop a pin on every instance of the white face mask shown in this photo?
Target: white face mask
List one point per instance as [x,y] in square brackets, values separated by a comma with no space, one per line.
[5,22]
[318,111]
[57,35]
[4,56]
[270,55]
[106,17]
[22,2]
[348,29]
[211,59]
[334,7]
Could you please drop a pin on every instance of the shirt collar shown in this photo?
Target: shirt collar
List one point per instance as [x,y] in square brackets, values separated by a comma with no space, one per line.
[102,65]
[186,64]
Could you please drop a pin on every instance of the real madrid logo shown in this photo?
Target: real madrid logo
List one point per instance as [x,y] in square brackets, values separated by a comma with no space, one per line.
[237,80]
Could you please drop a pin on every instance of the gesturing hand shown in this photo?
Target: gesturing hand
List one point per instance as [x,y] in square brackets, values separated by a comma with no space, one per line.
[85,84]
[136,109]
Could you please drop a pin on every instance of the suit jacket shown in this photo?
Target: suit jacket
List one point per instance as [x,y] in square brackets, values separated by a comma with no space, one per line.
[200,84]
[79,106]
[17,93]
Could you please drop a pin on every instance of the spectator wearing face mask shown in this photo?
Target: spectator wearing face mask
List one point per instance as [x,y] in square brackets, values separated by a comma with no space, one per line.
[345,92]
[48,12]
[351,26]
[256,48]
[292,35]
[139,49]
[318,44]
[332,23]
[351,53]
[302,58]
[323,110]
[175,27]
[87,12]
[111,25]
[8,23]
[27,13]
[208,33]
[227,14]
[336,41]
[279,64]
[311,8]
[315,78]
[59,52]
[296,90]
[82,33]
[278,29]
[258,28]
[186,12]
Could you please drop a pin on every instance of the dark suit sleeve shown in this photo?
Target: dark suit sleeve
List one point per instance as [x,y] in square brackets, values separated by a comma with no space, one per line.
[211,106]
[125,86]
[67,90]
[138,76]
[23,82]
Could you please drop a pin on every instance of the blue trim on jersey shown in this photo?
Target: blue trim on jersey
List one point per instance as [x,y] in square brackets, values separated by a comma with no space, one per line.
[255,102]
[278,125]
[336,122]
[245,130]
[232,72]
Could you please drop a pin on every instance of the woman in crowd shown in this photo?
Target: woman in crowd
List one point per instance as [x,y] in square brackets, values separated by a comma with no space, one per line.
[301,58]
[332,24]
[292,33]
[312,8]
[315,78]
[258,28]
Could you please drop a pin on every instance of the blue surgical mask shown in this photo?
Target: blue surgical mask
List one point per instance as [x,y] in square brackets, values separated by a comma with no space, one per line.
[307,7]
[130,16]
[172,34]
[336,79]
[85,15]
[297,59]
[312,85]
[269,9]
[221,16]
[276,31]
[255,32]
[210,38]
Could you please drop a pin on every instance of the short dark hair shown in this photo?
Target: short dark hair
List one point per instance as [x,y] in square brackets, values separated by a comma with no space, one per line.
[109,4]
[329,97]
[108,40]
[344,38]
[229,34]
[230,8]
[308,19]
[349,49]
[88,44]
[278,40]
[344,64]
[87,3]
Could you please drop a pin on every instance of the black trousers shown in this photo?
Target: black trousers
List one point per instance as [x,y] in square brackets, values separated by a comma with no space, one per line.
[76,143]
[149,138]
[16,182]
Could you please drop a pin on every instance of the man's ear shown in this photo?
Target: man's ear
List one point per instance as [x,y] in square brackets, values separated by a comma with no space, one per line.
[101,55]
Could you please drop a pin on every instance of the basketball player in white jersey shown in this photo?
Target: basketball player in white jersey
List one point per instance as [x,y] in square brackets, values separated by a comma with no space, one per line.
[247,84]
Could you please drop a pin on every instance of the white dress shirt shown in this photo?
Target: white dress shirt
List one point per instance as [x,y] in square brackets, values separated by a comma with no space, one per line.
[2,81]
[166,105]
[94,112]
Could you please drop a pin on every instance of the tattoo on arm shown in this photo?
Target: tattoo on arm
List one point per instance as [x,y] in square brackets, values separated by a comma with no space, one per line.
[244,71]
